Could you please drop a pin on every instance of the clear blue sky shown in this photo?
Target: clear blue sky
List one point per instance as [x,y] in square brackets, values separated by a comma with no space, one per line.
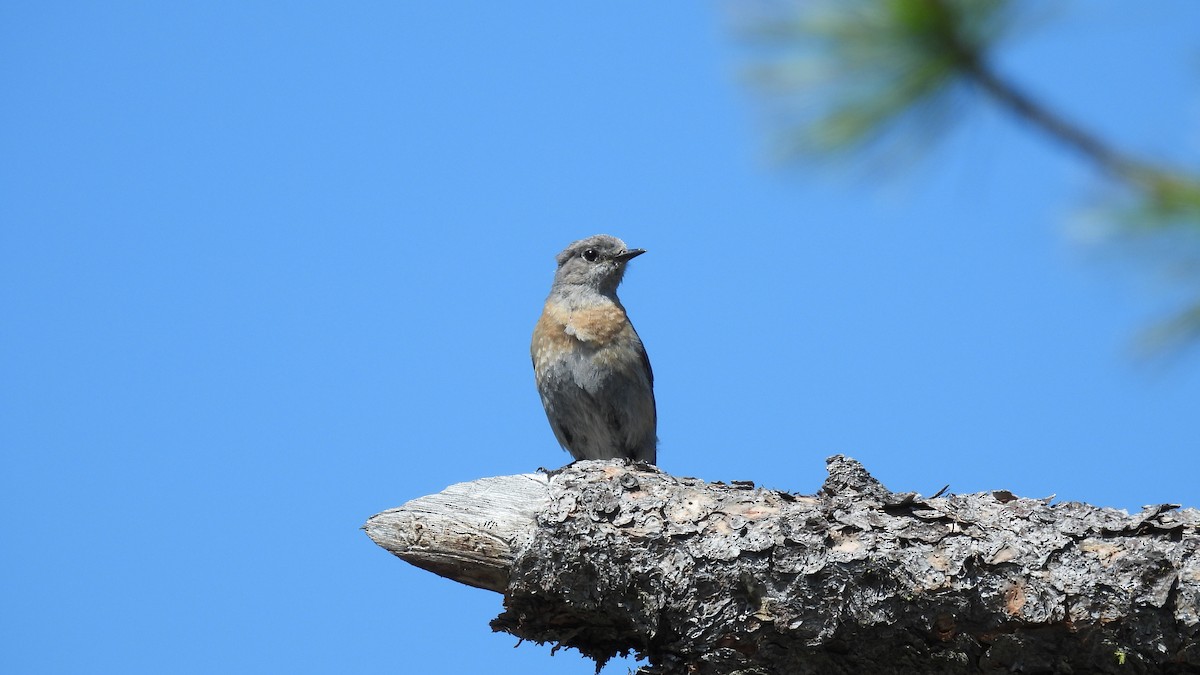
[269,268]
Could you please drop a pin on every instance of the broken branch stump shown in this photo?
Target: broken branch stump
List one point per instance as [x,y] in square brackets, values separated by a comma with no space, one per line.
[611,558]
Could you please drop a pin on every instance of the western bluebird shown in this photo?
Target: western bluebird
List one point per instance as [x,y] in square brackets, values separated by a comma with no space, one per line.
[592,371]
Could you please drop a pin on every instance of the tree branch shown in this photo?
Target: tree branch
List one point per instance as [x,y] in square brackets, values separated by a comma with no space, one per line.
[702,577]
[1054,125]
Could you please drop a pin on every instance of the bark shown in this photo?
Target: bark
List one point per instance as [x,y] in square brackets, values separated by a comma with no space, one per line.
[611,558]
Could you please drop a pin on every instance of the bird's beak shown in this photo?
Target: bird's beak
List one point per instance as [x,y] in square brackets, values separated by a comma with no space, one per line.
[629,255]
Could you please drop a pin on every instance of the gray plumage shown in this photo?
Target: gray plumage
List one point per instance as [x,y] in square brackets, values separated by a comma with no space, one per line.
[592,371]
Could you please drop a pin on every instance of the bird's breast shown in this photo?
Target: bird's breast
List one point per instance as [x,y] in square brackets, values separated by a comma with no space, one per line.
[585,334]
[597,326]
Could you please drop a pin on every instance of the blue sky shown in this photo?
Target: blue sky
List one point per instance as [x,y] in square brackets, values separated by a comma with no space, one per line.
[270,268]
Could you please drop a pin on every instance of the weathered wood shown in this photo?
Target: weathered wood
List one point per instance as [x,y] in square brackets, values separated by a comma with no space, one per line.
[608,558]
[467,532]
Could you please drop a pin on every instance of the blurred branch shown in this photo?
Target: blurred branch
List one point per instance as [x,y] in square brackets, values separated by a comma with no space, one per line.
[843,75]
[1060,129]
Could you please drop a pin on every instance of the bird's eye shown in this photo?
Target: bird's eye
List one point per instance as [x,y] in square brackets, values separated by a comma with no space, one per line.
[590,255]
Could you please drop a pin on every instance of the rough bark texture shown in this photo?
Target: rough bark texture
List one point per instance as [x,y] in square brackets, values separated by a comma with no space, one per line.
[703,577]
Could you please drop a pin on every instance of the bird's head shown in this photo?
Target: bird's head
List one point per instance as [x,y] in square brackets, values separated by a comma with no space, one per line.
[596,263]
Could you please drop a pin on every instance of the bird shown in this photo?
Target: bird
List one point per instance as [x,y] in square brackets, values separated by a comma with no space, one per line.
[591,368]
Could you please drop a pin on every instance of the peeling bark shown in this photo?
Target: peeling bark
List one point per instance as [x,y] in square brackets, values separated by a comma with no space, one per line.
[611,558]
